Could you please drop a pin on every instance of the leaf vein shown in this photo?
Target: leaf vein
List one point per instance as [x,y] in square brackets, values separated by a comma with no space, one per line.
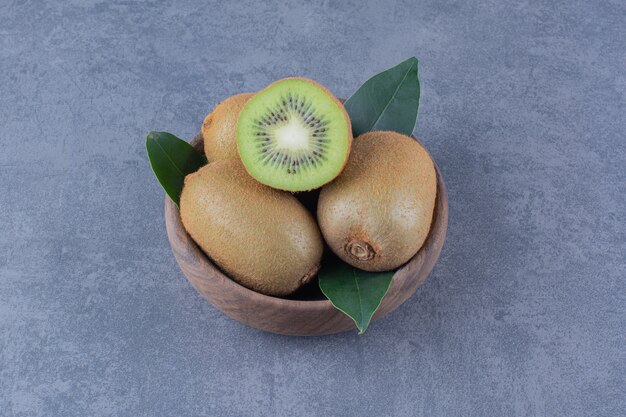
[169,157]
[392,98]
[358,291]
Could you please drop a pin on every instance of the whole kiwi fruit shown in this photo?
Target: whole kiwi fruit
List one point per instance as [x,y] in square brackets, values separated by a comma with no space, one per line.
[261,237]
[377,214]
[294,135]
[219,128]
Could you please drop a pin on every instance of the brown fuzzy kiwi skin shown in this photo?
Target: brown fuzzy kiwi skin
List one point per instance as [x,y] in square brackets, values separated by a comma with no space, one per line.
[219,128]
[377,214]
[261,237]
[341,107]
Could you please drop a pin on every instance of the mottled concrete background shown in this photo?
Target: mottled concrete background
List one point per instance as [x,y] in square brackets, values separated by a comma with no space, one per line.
[523,108]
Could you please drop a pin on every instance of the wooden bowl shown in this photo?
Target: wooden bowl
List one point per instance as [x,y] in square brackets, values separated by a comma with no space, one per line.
[297,317]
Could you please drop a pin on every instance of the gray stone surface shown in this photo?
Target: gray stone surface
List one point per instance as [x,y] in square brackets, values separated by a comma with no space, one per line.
[523,108]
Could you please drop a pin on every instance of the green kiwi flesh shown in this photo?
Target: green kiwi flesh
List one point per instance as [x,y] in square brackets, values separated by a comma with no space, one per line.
[294,135]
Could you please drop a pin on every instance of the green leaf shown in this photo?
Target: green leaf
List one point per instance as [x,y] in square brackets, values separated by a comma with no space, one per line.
[352,291]
[387,101]
[172,159]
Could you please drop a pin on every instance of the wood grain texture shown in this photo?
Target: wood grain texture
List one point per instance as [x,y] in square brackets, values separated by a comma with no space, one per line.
[296,317]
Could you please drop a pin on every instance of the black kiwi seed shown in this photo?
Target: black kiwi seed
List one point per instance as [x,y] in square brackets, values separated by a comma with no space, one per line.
[288,106]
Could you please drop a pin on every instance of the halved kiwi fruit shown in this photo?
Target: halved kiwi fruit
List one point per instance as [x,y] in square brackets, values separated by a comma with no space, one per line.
[294,135]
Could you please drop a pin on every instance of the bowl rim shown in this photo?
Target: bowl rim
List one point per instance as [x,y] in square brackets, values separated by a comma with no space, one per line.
[304,305]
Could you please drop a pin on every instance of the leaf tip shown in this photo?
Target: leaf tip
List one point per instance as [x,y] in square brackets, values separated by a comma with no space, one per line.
[412,60]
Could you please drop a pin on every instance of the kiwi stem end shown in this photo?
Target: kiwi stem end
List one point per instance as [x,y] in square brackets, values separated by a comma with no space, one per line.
[360,250]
